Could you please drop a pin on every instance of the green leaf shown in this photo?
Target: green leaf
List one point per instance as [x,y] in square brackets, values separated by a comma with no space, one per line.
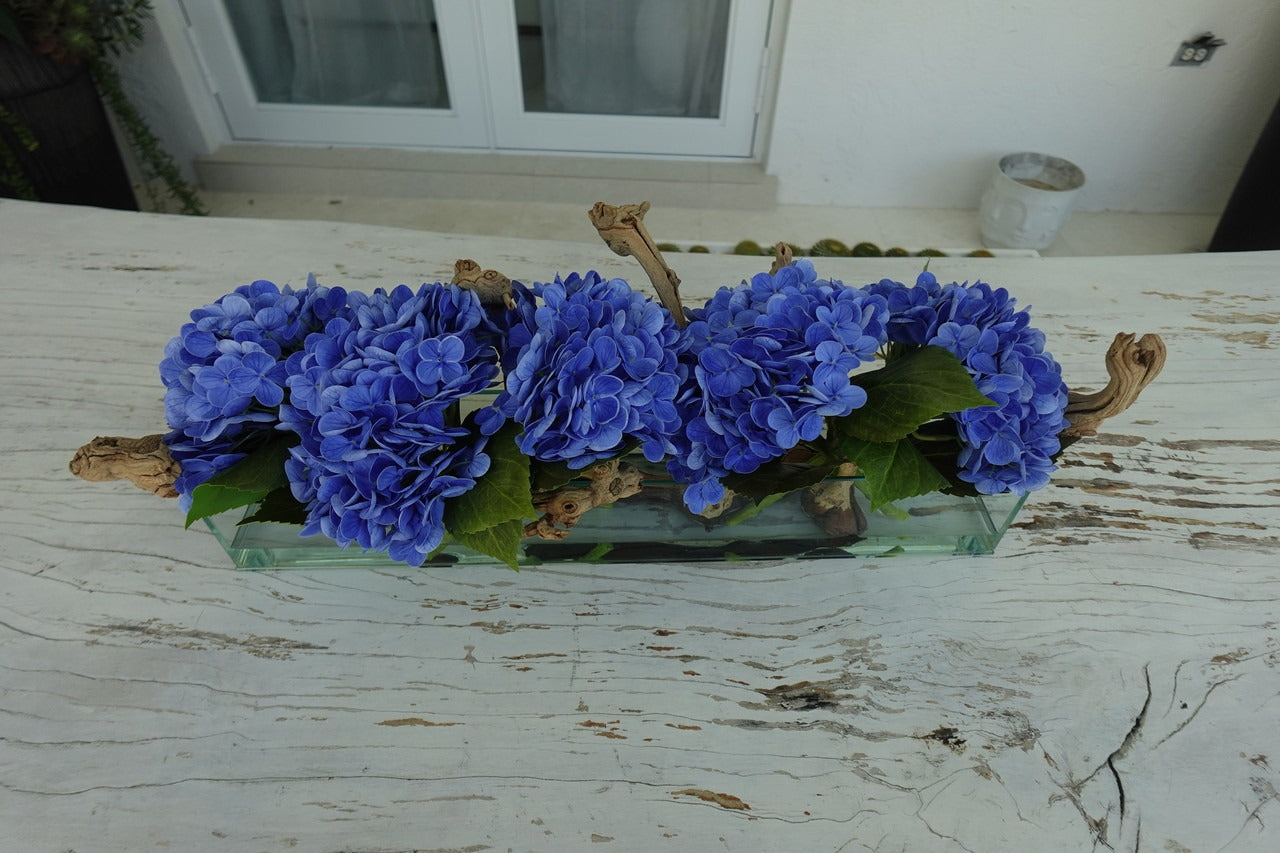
[892,470]
[9,28]
[940,444]
[501,495]
[279,506]
[778,478]
[545,476]
[501,541]
[247,482]
[908,391]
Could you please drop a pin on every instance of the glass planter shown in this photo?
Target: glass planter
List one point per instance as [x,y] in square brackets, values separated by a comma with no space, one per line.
[831,520]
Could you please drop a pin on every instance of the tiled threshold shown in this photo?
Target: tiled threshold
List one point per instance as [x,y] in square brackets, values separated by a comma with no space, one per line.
[483,176]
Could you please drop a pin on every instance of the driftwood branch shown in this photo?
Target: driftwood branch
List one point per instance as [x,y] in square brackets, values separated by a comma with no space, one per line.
[563,507]
[1132,363]
[491,286]
[145,462]
[622,229]
[782,257]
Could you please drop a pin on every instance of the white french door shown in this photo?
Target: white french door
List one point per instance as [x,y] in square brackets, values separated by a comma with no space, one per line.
[675,77]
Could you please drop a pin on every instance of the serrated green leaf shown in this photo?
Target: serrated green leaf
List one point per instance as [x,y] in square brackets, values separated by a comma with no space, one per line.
[545,476]
[501,541]
[777,478]
[247,482]
[280,506]
[908,391]
[503,494]
[892,470]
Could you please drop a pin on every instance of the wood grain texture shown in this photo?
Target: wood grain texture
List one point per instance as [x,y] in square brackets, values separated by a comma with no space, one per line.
[1107,681]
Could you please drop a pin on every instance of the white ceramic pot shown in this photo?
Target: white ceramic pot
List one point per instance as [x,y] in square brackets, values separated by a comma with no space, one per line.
[1028,201]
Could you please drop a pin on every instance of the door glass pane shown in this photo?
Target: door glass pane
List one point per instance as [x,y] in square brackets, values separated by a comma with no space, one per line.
[623,57]
[383,53]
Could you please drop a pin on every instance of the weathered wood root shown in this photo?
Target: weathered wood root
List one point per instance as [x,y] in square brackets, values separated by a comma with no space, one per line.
[1132,363]
[491,286]
[832,505]
[782,257]
[145,462]
[622,229]
[563,507]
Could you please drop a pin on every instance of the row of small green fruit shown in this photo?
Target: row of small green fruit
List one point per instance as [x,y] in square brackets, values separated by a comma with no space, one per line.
[827,248]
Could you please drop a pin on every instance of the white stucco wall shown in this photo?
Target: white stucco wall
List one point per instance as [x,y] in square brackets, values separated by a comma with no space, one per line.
[909,103]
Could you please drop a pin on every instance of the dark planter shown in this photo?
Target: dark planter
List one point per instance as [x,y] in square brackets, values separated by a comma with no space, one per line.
[77,161]
[1251,220]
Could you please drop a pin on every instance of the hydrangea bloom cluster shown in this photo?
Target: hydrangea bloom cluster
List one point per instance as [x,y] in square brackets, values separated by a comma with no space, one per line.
[224,373]
[770,358]
[592,367]
[1008,447]
[370,397]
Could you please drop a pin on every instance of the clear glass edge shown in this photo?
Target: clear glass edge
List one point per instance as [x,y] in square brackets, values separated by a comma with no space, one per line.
[934,524]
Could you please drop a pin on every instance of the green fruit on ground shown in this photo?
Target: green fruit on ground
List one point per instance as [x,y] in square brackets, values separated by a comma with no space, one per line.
[866,250]
[668,247]
[980,253]
[897,252]
[931,253]
[748,247]
[700,250]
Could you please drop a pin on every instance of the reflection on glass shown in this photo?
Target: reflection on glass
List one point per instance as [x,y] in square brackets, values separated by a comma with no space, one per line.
[623,57]
[383,53]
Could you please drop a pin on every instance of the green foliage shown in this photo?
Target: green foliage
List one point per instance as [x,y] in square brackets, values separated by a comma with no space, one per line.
[892,470]
[156,163]
[500,541]
[279,505]
[485,516]
[779,477]
[909,390]
[91,32]
[247,482]
[11,172]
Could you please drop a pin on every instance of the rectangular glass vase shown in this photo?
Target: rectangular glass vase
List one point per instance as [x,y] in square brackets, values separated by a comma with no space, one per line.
[831,520]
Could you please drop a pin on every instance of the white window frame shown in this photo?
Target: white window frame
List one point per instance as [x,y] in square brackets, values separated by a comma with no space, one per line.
[731,134]
[463,124]
[480,54]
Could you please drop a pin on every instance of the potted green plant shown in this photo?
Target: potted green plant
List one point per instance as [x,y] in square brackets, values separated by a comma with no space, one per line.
[56,73]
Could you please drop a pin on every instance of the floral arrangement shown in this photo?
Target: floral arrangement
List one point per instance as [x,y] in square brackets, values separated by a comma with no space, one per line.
[400,421]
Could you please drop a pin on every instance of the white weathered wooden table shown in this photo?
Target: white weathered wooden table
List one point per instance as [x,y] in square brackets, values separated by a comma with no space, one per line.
[1107,681]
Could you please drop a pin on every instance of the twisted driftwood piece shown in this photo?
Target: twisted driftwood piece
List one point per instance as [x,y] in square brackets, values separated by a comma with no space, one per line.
[622,229]
[491,286]
[145,462]
[563,507]
[782,257]
[1132,363]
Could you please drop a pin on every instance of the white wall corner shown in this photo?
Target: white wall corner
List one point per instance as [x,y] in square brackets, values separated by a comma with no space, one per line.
[163,79]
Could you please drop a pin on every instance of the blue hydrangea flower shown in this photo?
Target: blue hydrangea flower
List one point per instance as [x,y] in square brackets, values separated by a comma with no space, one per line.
[590,368]
[1007,447]
[767,362]
[224,373]
[371,397]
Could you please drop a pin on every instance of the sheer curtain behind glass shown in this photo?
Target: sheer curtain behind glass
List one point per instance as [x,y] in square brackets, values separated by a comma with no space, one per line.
[631,57]
[341,52]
